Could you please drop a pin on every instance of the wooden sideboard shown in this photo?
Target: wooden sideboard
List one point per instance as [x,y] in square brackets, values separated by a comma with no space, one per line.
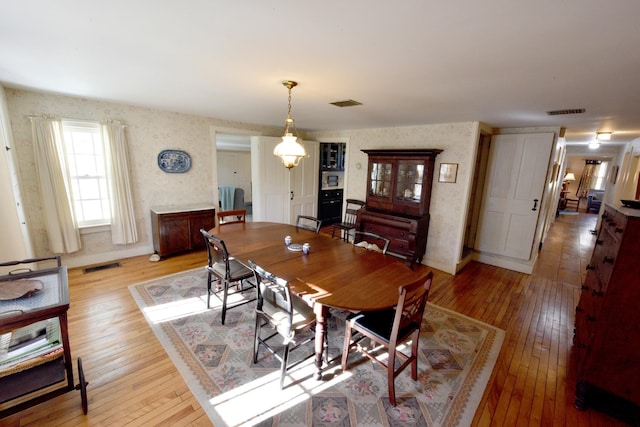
[607,336]
[176,229]
[398,198]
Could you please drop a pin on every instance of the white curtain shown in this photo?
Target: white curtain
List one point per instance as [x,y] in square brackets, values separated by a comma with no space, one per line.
[60,224]
[123,221]
[586,178]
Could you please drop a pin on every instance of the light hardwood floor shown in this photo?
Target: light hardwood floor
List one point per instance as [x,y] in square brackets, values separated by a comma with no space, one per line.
[132,381]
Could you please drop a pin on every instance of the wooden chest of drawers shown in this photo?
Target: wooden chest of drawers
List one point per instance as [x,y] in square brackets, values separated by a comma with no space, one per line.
[607,334]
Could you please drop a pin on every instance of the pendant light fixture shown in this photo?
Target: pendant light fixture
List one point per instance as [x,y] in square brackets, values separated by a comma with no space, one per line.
[290,150]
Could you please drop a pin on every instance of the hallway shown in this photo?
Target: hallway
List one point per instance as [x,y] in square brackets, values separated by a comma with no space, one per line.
[534,380]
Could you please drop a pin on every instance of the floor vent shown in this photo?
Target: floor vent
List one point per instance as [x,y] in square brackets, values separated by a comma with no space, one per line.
[100,267]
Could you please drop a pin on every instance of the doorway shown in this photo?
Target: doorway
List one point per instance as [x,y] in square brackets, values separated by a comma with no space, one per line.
[233,168]
[473,213]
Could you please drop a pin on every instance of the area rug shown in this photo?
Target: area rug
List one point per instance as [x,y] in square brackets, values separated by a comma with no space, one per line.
[457,356]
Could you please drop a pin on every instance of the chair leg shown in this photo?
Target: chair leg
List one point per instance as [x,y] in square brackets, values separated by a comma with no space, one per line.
[414,355]
[391,364]
[346,347]
[333,232]
[283,368]
[225,290]
[256,338]
[209,290]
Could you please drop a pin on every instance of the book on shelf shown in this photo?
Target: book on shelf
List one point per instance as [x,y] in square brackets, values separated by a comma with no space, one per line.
[30,341]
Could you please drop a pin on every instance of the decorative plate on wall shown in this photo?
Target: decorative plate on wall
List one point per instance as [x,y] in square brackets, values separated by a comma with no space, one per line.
[174,161]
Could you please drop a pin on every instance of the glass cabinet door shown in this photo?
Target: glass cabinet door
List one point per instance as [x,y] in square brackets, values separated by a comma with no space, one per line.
[380,179]
[409,181]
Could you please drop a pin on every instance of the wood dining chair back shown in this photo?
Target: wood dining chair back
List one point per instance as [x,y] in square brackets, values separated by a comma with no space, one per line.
[371,241]
[225,271]
[309,223]
[348,223]
[286,315]
[390,328]
[232,217]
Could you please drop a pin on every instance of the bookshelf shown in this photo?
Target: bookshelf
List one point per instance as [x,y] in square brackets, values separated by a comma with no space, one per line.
[35,357]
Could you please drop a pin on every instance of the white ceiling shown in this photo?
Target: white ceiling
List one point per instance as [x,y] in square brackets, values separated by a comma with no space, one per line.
[410,62]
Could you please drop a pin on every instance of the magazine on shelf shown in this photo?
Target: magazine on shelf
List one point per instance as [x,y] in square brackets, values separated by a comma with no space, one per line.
[31,341]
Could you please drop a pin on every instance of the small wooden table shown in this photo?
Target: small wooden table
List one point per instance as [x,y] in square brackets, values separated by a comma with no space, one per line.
[334,273]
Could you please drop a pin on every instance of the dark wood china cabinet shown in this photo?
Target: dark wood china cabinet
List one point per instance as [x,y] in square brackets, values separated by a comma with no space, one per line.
[398,198]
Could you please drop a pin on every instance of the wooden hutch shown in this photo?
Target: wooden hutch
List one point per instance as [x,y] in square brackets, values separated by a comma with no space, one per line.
[607,331]
[398,197]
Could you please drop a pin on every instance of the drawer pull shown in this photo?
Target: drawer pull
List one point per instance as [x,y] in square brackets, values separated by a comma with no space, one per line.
[596,293]
[607,260]
[591,318]
[599,242]
[580,345]
[619,230]
[579,309]
[590,267]
[584,287]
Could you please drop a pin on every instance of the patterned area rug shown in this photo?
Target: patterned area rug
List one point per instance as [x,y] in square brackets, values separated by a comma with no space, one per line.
[457,355]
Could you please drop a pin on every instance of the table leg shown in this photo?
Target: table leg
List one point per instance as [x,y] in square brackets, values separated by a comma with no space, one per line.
[321,312]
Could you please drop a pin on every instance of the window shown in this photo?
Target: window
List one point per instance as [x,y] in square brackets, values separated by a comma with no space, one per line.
[599,179]
[86,164]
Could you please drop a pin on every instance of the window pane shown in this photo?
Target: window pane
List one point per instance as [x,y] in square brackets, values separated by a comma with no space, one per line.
[92,210]
[86,165]
[89,189]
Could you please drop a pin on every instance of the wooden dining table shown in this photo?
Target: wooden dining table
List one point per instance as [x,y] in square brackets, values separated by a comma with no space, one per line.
[333,274]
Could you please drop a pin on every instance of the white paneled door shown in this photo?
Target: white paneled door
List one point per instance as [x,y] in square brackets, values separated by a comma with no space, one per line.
[279,194]
[510,211]
[304,183]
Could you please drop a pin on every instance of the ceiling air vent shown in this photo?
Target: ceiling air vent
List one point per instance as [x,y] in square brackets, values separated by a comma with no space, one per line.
[347,103]
[568,111]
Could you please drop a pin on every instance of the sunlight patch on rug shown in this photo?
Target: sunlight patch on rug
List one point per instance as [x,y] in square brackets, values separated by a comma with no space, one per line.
[457,356]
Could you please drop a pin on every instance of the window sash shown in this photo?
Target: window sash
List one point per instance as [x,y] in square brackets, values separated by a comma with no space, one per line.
[86,160]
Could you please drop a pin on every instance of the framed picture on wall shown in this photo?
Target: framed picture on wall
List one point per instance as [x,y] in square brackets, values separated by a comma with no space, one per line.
[448,172]
[614,174]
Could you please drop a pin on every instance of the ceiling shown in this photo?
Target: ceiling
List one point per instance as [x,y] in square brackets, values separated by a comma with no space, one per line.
[415,62]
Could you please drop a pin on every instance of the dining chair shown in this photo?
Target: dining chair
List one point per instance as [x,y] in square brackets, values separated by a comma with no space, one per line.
[309,223]
[370,241]
[226,270]
[389,329]
[286,314]
[232,217]
[349,221]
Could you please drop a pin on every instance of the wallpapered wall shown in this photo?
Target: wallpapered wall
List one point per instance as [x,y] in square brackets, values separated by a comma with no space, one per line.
[148,132]
[449,201]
